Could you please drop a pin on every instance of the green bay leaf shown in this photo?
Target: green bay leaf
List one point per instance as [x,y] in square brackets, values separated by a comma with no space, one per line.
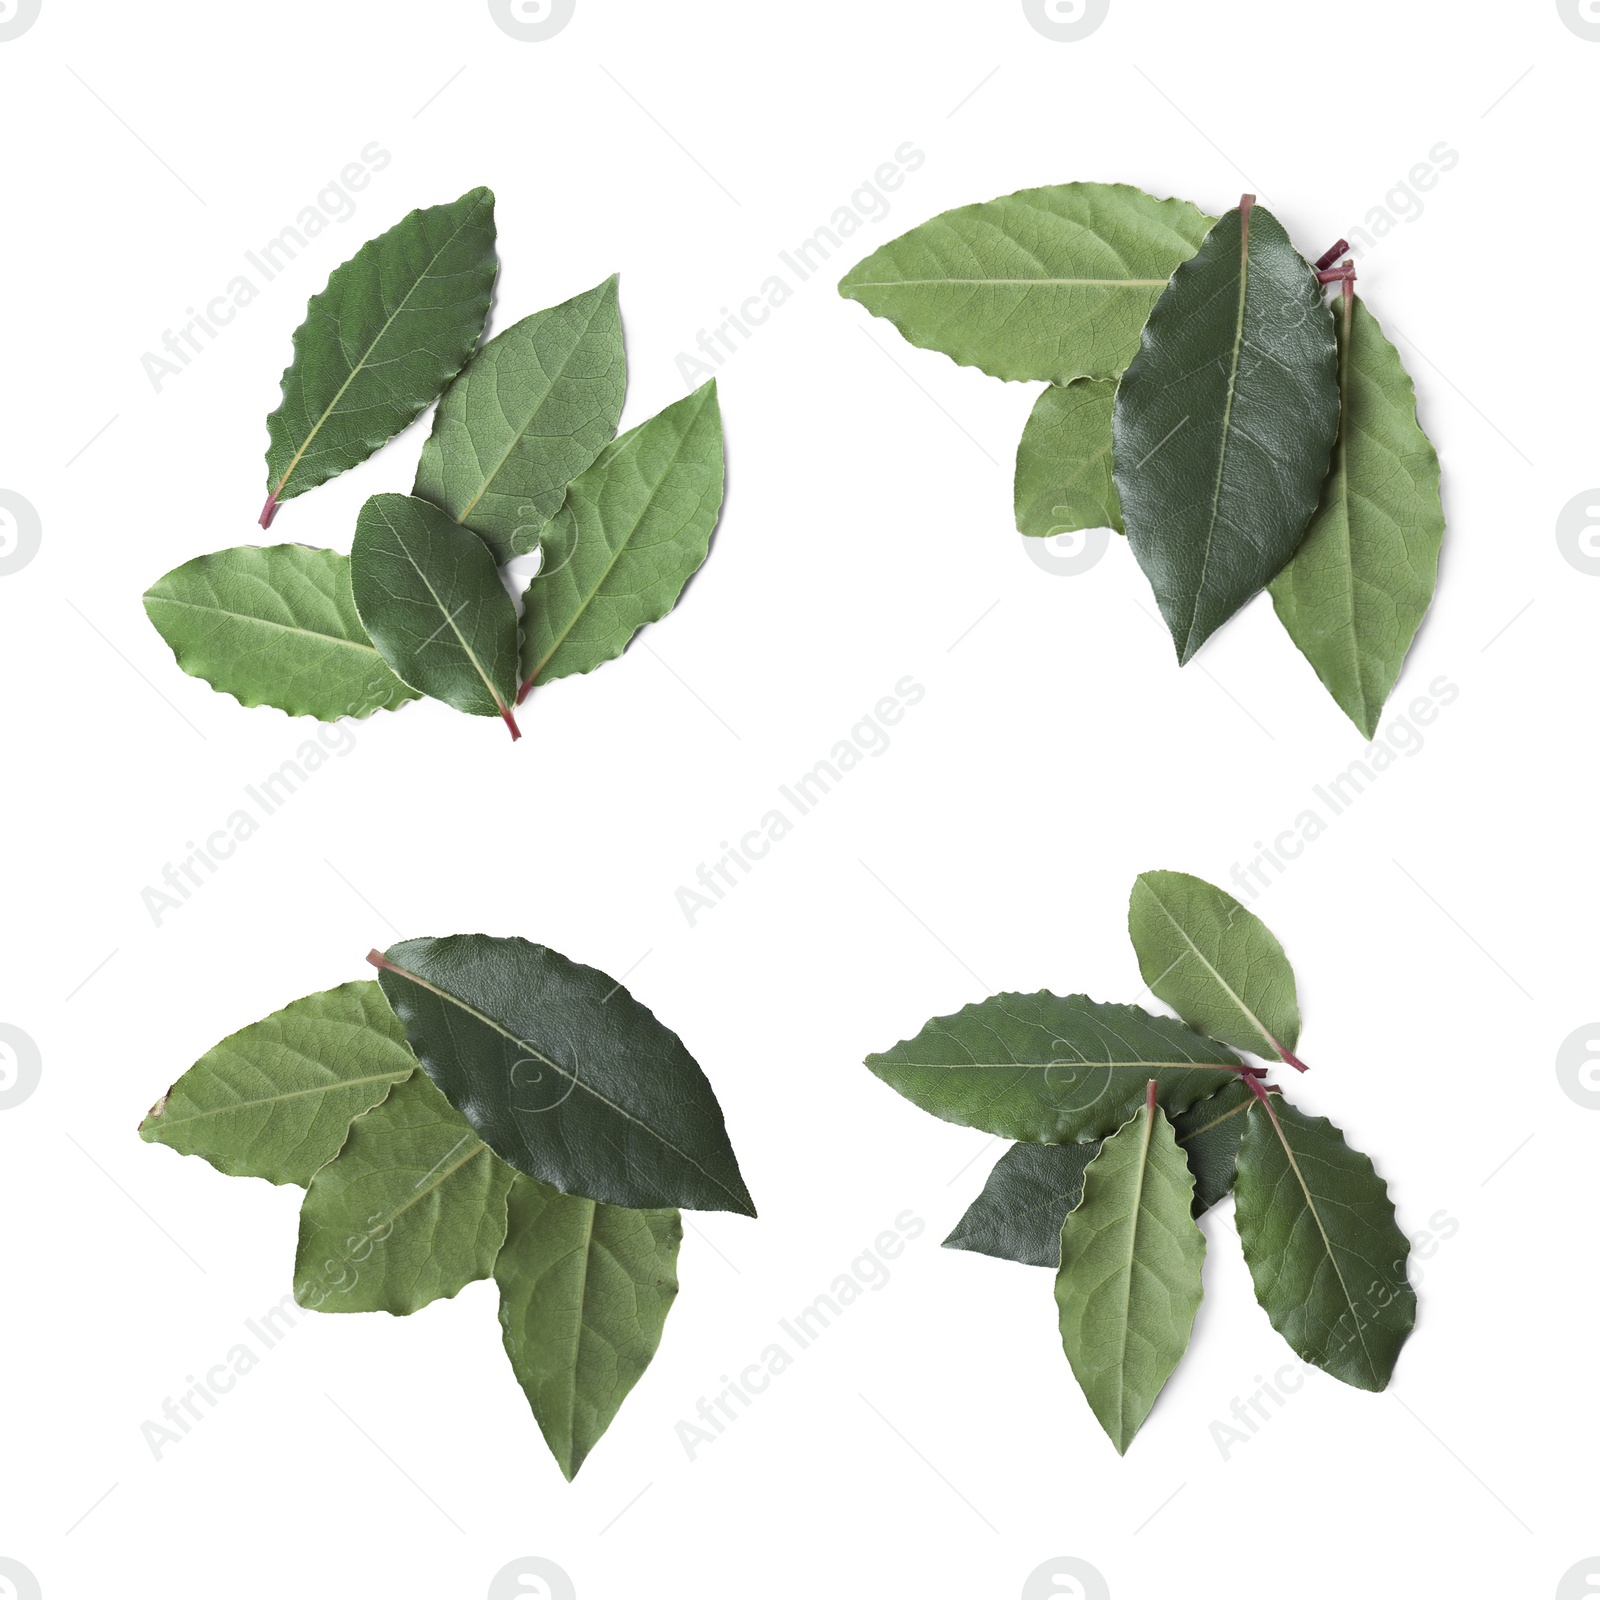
[531,410]
[631,533]
[584,1293]
[1225,422]
[1355,593]
[1063,478]
[1327,1257]
[391,329]
[275,627]
[430,597]
[1051,283]
[1129,1282]
[1051,1069]
[411,1210]
[563,1073]
[275,1100]
[1215,963]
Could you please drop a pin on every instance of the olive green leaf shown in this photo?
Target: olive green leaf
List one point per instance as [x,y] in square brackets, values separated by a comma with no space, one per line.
[1051,1069]
[390,330]
[1129,1282]
[1224,423]
[584,1293]
[531,410]
[563,1072]
[1320,1237]
[629,536]
[1355,593]
[1032,1187]
[275,627]
[1050,283]
[1064,482]
[411,1210]
[1215,963]
[275,1100]
[430,597]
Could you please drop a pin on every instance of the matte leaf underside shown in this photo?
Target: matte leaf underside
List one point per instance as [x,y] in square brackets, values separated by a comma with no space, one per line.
[1051,1069]
[275,627]
[1063,480]
[1129,1282]
[1224,424]
[1051,283]
[1355,593]
[563,1073]
[393,326]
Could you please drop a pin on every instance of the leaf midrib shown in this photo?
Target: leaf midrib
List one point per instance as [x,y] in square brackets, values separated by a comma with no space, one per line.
[1031,283]
[265,622]
[292,1094]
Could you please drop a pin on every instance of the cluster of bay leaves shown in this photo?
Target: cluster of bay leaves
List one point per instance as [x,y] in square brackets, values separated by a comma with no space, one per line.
[523,458]
[487,1108]
[1203,399]
[1129,1125]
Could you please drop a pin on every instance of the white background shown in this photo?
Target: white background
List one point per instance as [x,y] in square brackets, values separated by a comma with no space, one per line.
[933,1440]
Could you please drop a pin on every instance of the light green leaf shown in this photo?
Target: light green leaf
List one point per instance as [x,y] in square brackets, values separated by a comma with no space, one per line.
[275,1100]
[390,330]
[275,627]
[1064,481]
[1129,1282]
[1032,1187]
[1215,963]
[1225,422]
[563,1072]
[1323,1246]
[1355,593]
[584,1294]
[431,599]
[1048,283]
[631,533]
[412,1209]
[532,409]
[1051,1069]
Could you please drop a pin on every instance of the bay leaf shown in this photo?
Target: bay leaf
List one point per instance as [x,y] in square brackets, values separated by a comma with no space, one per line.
[430,597]
[1224,423]
[1215,963]
[631,533]
[584,1293]
[1051,283]
[1051,1069]
[391,329]
[1355,593]
[563,1073]
[411,1210]
[1129,1282]
[1063,479]
[1327,1257]
[531,410]
[275,627]
[275,1100]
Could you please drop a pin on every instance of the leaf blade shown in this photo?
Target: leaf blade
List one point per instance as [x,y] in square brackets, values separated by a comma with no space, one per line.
[1063,479]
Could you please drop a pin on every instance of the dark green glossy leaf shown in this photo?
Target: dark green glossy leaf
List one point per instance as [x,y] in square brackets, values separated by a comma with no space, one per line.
[1051,1069]
[390,330]
[1215,963]
[1323,1246]
[411,1210]
[1032,1187]
[1050,283]
[1355,593]
[1129,1281]
[1225,422]
[275,1100]
[584,1294]
[1064,482]
[631,533]
[564,1073]
[275,627]
[532,410]
[431,599]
